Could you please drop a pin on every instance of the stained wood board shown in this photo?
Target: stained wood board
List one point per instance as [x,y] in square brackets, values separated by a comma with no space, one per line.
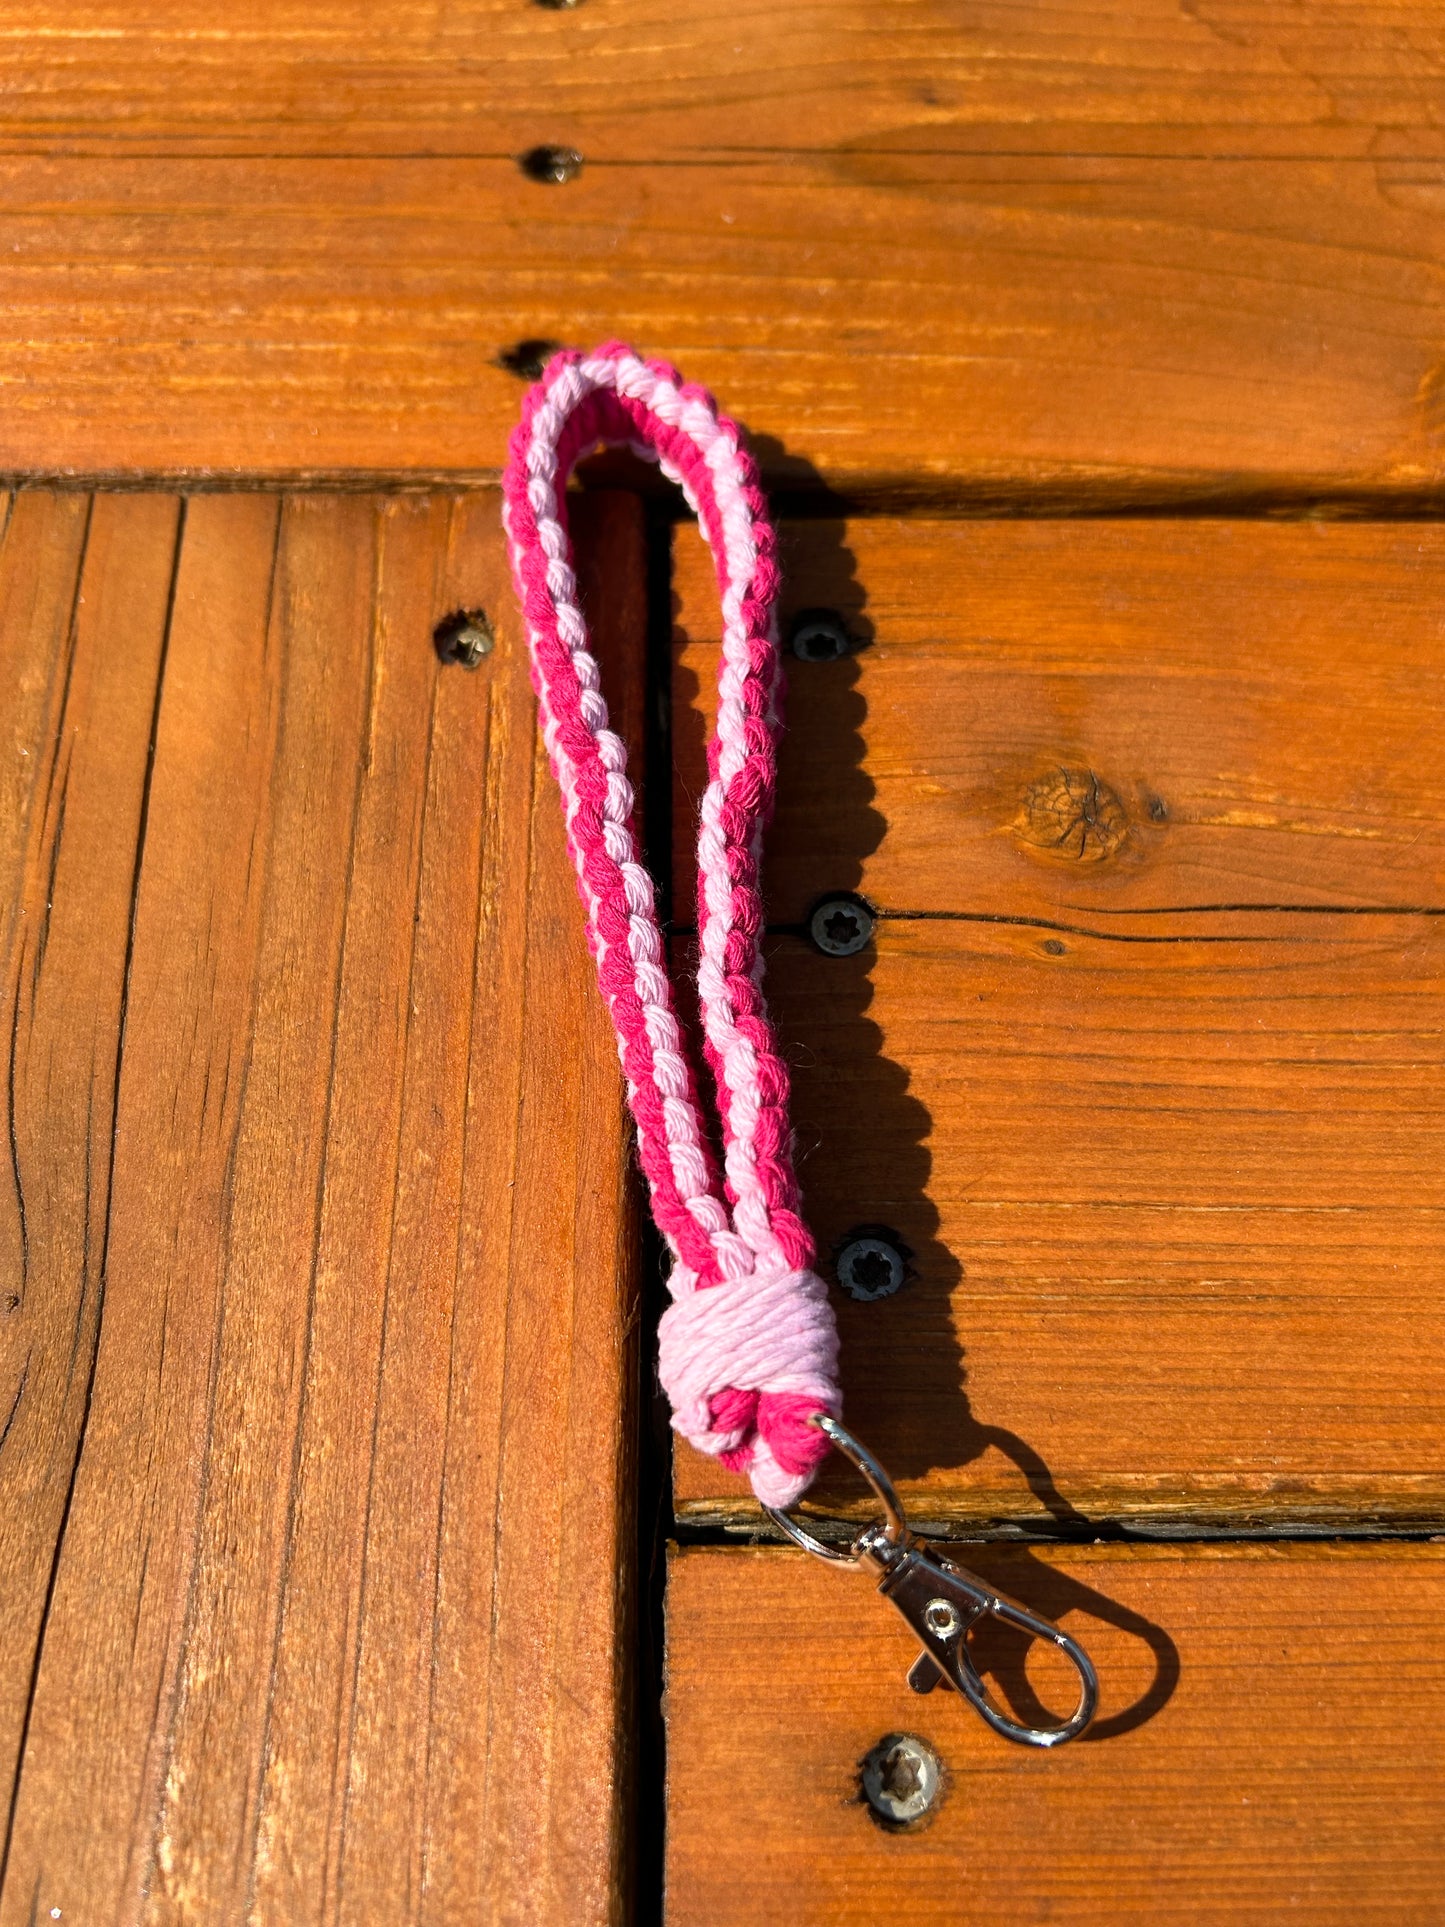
[1268,1744]
[319,1380]
[965,253]
[75,575]
[1171,1207]
[1153,1111]
[1075,718]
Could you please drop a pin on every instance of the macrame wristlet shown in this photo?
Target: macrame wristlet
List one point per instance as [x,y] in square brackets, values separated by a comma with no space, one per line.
[749,1348]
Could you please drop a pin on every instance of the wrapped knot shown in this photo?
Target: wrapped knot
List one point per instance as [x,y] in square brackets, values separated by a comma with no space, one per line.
[745,1364]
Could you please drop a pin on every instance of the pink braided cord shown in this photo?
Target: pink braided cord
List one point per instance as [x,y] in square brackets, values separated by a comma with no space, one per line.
[748,1347]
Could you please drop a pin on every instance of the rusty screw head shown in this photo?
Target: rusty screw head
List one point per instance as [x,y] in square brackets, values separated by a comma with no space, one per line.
[819,635]
[870,1266]
[552,165]
[841,926]
[901,1779]
[464,637]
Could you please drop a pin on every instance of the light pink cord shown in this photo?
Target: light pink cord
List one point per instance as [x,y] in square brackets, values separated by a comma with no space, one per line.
[749,1349]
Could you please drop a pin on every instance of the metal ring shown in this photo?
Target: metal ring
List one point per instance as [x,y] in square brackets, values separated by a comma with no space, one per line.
[895,1530]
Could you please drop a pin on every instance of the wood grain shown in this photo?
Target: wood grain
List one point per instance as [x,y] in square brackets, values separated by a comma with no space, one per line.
[1172,1203]
[941,251]
[1268,1745]
[1142,1068]
[84,587]
[337,1626]
[1072,719]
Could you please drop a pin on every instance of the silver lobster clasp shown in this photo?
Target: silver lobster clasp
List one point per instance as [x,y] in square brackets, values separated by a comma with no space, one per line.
[943,1603]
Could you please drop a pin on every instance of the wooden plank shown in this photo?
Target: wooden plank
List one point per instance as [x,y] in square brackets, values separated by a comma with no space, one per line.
[1142,1068]
[1173,1204]
[1070,719]
[1268,1745]
[978,254]
[350,1526]
[85,589]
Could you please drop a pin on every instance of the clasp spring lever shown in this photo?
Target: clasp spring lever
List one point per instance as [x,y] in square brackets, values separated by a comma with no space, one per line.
[942,1603]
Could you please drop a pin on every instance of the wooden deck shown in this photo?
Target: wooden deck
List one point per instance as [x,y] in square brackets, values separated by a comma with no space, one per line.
[1095,358]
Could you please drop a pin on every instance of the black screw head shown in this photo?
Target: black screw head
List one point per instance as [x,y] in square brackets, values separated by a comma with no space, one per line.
[553,165]
[819,635]
[528,359]
[465,637]
[872,1263]
[841,926]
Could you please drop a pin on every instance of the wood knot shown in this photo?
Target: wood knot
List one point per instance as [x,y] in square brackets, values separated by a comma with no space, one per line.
[1072,814]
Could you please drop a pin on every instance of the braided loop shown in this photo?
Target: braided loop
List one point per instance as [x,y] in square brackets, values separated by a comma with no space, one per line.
[749,1346]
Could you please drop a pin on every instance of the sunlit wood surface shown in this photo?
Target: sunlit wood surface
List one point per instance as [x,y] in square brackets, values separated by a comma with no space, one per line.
[317,1461]
[1145,1064]
[1099,355]
[929,249]
[1267,1746]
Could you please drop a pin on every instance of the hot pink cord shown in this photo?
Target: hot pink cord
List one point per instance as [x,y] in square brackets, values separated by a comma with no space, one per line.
[749,1349]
